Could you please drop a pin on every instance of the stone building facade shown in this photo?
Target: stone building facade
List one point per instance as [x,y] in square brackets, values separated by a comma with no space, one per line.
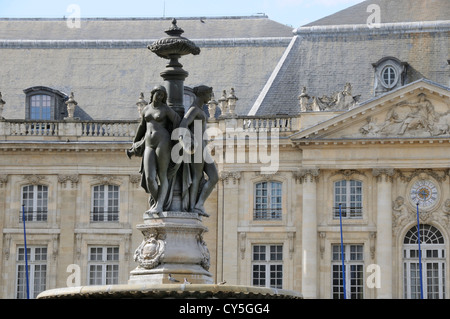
[310,141]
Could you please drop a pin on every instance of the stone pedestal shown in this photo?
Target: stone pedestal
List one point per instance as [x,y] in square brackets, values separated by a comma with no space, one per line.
[173,244]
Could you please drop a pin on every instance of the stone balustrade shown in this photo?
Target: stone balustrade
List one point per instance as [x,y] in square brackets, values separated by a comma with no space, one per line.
[13,129]
[125,130]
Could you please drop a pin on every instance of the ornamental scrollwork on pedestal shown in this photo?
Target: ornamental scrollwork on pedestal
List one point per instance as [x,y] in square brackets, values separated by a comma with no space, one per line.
[149,253]
[205,262]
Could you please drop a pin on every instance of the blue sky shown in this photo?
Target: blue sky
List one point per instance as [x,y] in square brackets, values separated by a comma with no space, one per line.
[290,12]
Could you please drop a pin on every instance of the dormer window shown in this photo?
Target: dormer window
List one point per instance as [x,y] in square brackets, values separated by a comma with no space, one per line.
[43,103]
[390,73]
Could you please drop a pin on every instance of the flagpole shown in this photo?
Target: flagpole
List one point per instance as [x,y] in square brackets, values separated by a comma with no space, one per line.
[26,252]
[342,253]
[420,253]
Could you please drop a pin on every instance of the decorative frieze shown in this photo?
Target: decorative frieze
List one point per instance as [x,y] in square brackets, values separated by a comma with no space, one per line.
[438,176]
[3,180]
[242,243]
[387,173]
[418,118]
[34,179]
[404,214]
[267,176]
[348,173]
[307,174]
[55,248]
[71,178]
[107,179]
[135,179]
[372,238]
[6,245]
[226,176]
[291,238]
[322,236]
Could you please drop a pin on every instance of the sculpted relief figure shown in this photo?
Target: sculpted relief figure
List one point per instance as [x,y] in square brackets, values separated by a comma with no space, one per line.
[422,115]
[411,118]
[400,212]
[338,101]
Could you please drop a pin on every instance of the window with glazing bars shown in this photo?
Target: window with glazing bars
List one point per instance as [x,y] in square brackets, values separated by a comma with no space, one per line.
[105,203]
[103,265]
[37,271]
[354,272]
[348,193]
[267,266]
[41,107]
[268,197]
[35,203]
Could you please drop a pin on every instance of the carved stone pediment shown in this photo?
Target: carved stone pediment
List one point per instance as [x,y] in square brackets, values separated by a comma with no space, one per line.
[420,109]
[416,118]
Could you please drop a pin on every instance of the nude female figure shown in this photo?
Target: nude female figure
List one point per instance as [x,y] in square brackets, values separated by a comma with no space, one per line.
[157,120]
[199,192]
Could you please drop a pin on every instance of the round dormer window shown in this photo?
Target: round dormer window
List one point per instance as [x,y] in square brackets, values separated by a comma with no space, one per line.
[389,77]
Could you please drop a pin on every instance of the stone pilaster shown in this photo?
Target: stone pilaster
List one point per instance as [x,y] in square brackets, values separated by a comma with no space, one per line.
[383,248]
[308,178]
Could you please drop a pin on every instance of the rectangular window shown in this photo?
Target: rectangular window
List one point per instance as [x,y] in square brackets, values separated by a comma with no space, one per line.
[349,195]
[103,265]
[354,272]
[267,266]
[268,198]
[35,201]
[37,271]
[105,203]
[40,107]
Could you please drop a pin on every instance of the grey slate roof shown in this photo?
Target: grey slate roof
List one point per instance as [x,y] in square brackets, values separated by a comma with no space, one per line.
[106,62]
[325,57]
[391,11]
[135,28]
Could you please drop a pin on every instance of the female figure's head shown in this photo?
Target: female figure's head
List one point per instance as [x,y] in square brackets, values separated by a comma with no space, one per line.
[158,90]
[203,92]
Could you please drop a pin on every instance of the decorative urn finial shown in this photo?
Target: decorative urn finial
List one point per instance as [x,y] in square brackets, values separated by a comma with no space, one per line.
[174,45]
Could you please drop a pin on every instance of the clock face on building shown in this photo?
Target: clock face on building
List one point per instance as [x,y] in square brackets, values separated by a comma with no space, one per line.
[424,192]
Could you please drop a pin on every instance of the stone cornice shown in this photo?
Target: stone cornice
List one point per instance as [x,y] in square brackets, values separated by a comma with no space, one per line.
[131,44]
[382,28]
[372,141]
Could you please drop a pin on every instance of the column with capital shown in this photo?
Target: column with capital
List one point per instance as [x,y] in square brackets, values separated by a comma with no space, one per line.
[384,256]
[308,178]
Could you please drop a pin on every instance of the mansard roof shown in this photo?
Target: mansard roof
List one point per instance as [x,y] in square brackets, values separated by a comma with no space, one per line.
[343,48]
[141,28]
[106,62]
[398,11]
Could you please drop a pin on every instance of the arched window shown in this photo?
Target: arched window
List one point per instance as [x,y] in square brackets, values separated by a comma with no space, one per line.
[433,263]
[348,193]
[267,203]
